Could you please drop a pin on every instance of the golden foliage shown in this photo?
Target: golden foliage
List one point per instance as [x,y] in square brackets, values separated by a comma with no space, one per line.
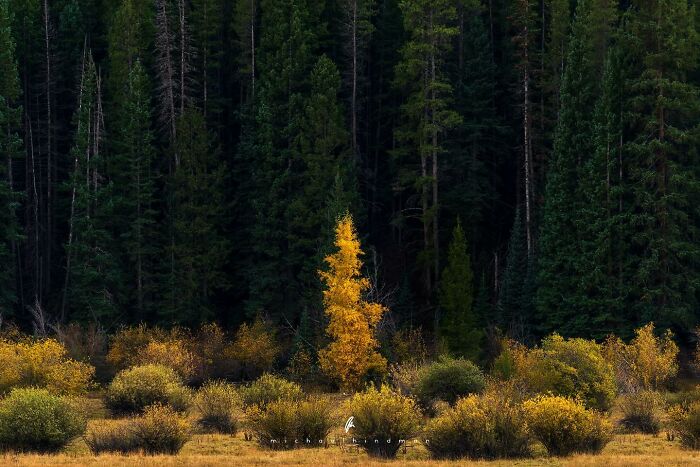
[171,353]
[43,364]
[647,362]
[565,426]
[352,354]
[254,349]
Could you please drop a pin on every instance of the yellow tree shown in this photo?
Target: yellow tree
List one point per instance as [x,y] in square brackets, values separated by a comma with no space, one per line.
[353,350]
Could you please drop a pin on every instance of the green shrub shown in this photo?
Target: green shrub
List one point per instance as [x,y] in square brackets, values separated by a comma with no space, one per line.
[447,380]
[136,388]
[269,388]
[565,426]
[385,418]
[642,412]
[36,420]
[488,426]
[565,367]
[161,430]
[218,404]
[684,422]
[288,424]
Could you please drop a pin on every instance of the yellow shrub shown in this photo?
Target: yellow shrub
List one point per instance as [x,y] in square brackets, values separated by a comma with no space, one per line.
[567,367]
[647,362]
[565,426]
[385,418]
[684,422]
[254,349]
[161,430]
[128,342]
[219,405]
[43,364]
[171,353]
[641,411]
[486,426]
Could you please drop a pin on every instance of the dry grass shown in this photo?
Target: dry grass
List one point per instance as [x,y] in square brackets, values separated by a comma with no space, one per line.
[221,450]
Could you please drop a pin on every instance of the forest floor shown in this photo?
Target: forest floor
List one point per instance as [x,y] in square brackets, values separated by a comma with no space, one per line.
[224,450]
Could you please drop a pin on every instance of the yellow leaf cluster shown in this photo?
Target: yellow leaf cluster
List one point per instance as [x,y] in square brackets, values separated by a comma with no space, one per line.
[353,350]
[43,364]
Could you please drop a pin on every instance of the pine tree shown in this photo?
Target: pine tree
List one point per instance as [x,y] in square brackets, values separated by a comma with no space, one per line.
[662,150]
[286,60]
[207,31]
[91,288]
[427,116]
[459,328]
[559,302]
[352,353]
[10,146]
[200,249]
[132,170]
[515,301]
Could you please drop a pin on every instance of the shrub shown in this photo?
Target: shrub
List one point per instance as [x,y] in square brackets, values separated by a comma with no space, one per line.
[642,412]
[565,426]
[135,389]
[161,430]
[405,376]
[566,367]
[112,436]
[213,362]
[286,424]
[269,388]
[647,362]
[86,344]
[447,380]
[218,404]
[254,349]
[128,342]
[172,353]
[42,364]
[684,422]
[385,419]
[488,426]
[36,420]
[408,346]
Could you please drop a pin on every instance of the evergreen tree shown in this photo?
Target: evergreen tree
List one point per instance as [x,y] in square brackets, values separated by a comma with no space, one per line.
[207,28]
[459,328]
[662,150]
[515,304]
[10,146]
[93,275]
[132,170]
[427,115]
[559,303]
[199,250]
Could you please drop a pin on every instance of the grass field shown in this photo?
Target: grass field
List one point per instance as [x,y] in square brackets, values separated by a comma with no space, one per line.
[220,450]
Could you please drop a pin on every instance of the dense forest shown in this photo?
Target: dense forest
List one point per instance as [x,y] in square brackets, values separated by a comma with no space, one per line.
[512,166]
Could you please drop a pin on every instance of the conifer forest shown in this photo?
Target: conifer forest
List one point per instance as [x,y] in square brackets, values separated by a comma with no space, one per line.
[513,168]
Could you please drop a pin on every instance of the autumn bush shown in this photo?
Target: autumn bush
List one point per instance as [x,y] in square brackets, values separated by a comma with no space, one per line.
[487,426]
[270,388]
[171,353]
[42,364]
[385,418]
[36,420]
[88,344]
[254,350]
[648,362]
[161,430]
[289,424]
[405,376]
[684,422]
[218,405]
[126,345]
[642,411]
[567,367]
[565,426]
[447,380]
[134,389]
[112,436]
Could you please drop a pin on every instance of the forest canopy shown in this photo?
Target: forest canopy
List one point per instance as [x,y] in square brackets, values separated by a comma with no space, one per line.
[512,166]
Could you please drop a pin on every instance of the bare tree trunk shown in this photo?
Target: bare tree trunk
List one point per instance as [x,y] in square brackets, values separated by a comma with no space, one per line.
[353,105]
[435,155]
[37,276]
[183,55]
